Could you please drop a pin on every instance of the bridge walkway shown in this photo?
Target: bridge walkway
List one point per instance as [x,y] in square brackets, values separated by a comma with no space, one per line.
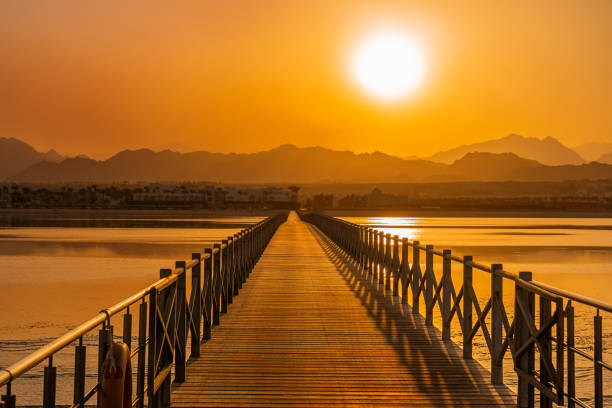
[309,330]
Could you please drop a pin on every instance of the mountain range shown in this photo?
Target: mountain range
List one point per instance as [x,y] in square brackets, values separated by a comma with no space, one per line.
[16,156]
[548,151]
[291,164]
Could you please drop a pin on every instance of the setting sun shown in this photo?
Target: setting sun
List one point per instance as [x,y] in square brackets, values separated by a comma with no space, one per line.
[388,65]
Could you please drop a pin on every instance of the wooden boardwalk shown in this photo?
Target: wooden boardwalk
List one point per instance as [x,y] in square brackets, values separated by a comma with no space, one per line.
[309,330]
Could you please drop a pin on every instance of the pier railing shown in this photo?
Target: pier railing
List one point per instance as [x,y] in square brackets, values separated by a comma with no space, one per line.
[170,317]
[547,339]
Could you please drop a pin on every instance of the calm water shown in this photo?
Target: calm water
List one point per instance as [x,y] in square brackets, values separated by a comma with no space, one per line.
[570,253]
[57,273]
[54,278]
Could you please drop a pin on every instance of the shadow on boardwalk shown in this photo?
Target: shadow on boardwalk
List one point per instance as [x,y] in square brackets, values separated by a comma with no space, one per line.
[436,366]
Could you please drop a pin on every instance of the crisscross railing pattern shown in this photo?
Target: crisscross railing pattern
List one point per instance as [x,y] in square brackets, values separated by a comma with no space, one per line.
[548,336]
[171,316]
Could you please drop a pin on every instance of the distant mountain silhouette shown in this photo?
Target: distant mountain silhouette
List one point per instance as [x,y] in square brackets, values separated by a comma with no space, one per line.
[286,163]
[291,164]
[484,167]
[547,151]
[52,156]
[15,156]
[593,151]
[606,158]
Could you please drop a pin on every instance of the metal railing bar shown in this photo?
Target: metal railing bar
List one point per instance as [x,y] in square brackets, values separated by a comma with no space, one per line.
[576,297]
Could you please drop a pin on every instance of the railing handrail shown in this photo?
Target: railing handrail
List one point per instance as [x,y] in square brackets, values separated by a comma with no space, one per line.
[585,300]
[30,361]
[533,285]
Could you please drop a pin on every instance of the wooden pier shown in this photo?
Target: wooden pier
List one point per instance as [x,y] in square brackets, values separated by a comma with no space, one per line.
[309,329]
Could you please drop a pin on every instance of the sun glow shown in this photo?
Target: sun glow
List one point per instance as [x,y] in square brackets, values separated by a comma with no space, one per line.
[388,65]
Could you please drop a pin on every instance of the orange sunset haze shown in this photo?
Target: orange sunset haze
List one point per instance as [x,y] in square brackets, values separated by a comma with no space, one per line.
[244,76]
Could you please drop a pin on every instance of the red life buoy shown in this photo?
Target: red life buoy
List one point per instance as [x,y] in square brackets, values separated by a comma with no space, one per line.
[116,390]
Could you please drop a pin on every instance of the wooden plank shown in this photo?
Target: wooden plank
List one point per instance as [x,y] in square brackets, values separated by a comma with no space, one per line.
[311,329]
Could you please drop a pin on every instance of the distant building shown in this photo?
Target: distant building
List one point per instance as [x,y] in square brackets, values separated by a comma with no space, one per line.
[277,195]
[234,195]
[268,196]
[156,192]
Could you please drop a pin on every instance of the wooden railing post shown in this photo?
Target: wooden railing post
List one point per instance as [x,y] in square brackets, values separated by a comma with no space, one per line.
[388,262]
[597,359]
[497,367]
[103,336]
[152,349]
[357,245]
[405,271]
[207,294]
[363,245]
[467,307]
[446,294]
[571,356]
[142,351]
[381,258]
[249,251]
[80,355]
[223,274]
[560,351]
[229,272]
[235,277]
[195,305]
[546,353]
[180,346]
[237,265]
[526,361]
[49,383]
[396,265]
[245,251]
[241,260]
[8,400]
[216,283]
[416,276]
[429,278]
[371,252]
[127,328]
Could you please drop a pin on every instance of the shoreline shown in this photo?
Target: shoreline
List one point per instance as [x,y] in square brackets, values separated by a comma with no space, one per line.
[123,213]
[469,213]
[214,213]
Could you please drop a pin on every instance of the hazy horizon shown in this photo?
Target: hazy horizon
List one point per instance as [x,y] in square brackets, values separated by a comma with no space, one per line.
[177,147]
[243,76]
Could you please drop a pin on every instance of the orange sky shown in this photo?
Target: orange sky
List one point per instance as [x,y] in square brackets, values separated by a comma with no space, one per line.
[245,75]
